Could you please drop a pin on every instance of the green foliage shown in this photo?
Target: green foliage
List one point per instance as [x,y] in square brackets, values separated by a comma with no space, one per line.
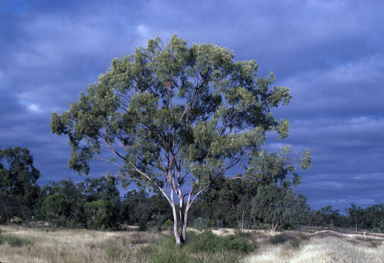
[168,223]
[54,209]
[74,197]
[200,247]
[105,189]
[114,254]
[71,201]
[199,223]
[97,214]
[202,223]
[173,110]
[138,208]
[208,223]
[18,188]
[277,205]
[209,242]
[71,223]
[375,230]
[293,241]
[357,213]
[13,241]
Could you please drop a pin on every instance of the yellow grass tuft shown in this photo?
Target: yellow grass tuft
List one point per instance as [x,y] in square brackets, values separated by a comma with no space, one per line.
[323,246]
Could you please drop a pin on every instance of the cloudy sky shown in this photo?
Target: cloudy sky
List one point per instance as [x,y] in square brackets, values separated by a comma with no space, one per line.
[329,53]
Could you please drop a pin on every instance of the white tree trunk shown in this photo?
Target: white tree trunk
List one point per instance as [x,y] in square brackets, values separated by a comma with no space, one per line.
[174,212]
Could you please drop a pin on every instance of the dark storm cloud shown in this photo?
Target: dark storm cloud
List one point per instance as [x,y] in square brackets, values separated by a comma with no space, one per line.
[329,53]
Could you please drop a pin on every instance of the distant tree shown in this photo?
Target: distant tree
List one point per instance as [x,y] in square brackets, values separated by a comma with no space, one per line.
[328,216]
[357,214]
[105,189]
[202,209]
[174,114]
[300,213]
[231,199]
[18,188]
[141,209]
[54,209]
[97,214]
[375,216]
[231,202]
[73,199]
[274,205]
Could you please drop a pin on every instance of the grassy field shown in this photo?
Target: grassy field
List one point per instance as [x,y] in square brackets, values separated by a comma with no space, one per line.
[42,244]
[321,246]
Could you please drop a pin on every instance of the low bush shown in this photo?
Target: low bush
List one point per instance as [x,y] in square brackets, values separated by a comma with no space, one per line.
[209,242]
[71,223]
[375,230]
[200,247]
[284,238]
[114,253]
[168,223]
[201,223]
[13,241]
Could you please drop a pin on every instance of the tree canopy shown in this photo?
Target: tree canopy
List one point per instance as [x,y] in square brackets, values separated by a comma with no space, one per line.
[175,114]
[18,187]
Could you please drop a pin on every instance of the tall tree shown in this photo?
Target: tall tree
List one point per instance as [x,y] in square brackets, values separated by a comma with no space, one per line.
[356,213]
[375,216]
[174,114]
[275,205]
[18,187]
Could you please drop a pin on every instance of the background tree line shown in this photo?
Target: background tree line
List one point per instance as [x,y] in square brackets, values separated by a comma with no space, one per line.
[98,204]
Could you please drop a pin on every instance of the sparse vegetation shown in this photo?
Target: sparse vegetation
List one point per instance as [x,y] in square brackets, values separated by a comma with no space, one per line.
[42,244]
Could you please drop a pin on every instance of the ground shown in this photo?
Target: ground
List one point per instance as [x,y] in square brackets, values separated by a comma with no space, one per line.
[39,243]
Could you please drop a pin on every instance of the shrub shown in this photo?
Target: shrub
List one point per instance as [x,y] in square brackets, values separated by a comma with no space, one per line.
[13,241]
[200,247]
[113,253]
[208,223]
[375,230]
[71,223]
[209,242]
[142,226]
[279,239]
[284,238]
[168,223]
[199,223]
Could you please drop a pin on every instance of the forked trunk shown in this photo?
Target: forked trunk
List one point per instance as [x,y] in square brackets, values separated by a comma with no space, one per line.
[273,229]
[184,220]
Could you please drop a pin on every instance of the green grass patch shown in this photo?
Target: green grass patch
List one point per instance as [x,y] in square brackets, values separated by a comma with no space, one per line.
[199,247]
[13,241]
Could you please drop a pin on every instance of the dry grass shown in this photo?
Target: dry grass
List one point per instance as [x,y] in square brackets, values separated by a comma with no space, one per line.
[41,244]
[321,246]
[45,245]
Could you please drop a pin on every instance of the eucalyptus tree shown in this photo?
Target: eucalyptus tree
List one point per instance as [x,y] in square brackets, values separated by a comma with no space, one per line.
[175,114]
[357,213]
[276,205]
[375,216]
[231,199]
[19,190]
